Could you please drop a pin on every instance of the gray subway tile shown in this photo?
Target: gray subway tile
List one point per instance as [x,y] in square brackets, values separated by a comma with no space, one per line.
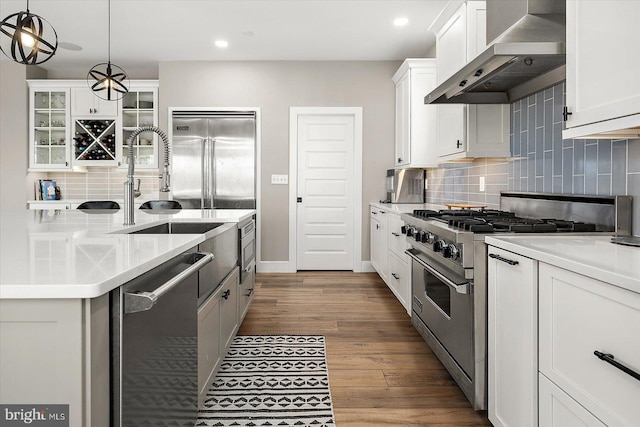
[619,172]
[567,170]
[558,104]
[539,184]
[539,152]
[633,189]
[531,128]
[548,171]
[548,94]
[604,156]
[539,109]
[557,158]
[578,184]
[557,184]
[591,169]
[604,185]
[524,143]
[548,125]
[578,157]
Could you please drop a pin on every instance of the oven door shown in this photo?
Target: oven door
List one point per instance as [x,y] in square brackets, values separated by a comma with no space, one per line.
[444,302]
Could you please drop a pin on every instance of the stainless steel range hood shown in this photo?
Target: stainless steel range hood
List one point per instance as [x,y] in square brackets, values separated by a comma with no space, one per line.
[526,58]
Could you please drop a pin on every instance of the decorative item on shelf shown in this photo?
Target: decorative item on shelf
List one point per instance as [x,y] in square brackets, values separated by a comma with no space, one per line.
[28,38]
[107,80]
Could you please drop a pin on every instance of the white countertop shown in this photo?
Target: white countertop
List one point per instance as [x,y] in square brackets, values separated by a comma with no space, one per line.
[406,207]
[74,254]
[593,256]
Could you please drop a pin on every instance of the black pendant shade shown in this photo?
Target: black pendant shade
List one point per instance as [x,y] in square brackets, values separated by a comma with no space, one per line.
[107,80]
[27,38]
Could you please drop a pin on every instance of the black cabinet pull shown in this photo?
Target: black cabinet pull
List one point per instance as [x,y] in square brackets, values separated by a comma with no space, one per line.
[399,159]
[250,292]
[395,234]
[395,276]
[566,113]
[458,144]
[610,359]
[508,261]
[226,294]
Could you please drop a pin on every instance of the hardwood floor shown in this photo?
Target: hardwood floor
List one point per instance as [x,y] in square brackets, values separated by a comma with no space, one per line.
[381,372]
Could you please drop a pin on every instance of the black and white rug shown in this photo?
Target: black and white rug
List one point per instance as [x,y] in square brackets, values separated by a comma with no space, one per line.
[279,380]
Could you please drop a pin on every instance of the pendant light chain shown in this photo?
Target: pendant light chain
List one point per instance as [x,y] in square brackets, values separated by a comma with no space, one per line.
[109,31]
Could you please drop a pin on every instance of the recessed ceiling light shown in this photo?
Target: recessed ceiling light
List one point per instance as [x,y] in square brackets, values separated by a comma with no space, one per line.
[222,43]
[400,22]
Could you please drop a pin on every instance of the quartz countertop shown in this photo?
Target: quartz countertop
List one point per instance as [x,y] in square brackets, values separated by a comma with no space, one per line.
[592,256]
[82,254]
[406,207]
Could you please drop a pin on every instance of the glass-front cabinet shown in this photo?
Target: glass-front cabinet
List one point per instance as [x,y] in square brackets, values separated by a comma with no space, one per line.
[139,108]
[49,129]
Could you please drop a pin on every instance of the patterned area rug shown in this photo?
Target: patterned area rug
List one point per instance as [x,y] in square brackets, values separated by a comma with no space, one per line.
[271,381]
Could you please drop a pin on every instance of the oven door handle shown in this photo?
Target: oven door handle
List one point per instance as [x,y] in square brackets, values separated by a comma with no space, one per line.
[462,288]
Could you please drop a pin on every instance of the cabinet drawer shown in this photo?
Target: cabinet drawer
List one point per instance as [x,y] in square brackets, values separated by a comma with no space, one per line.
[558,409]
[399,281]
[578,316]
[397,240]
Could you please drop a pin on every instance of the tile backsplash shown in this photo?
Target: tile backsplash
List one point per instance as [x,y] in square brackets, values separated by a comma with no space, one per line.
[102,183]
[542,161]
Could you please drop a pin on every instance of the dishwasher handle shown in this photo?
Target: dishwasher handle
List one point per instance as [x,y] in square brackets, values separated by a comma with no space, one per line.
[143,301]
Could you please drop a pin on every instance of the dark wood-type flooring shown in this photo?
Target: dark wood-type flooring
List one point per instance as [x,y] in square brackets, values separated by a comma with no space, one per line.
[381,372]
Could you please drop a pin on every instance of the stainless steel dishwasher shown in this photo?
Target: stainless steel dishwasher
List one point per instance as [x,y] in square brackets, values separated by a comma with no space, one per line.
[154,343]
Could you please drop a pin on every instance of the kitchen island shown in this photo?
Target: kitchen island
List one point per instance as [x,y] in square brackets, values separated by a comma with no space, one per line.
[56,271]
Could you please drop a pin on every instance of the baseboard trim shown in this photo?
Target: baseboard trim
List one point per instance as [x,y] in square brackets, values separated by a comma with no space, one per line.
[366,267]
[274,267]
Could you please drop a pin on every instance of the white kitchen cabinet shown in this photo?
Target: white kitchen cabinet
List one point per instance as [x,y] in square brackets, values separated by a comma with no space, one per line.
[49,127]
[415,122]
[512,339]
[379,245]
[229,309]
[56,351]
[579,316]
[558,409]
[217,326]
[601,66]
[70,126]
[245,294]
[467,131]
[139,108]
[84,102]
[399,279]
[209,354]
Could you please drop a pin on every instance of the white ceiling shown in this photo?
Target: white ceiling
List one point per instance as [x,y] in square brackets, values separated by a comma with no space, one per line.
[145,32]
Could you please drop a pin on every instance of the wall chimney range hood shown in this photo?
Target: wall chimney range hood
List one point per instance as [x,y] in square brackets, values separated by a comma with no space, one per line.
[527,57]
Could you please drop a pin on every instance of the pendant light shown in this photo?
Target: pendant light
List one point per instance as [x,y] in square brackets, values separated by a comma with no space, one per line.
[27,38]
[107,80]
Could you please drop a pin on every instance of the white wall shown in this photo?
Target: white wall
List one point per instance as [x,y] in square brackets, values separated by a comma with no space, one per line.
[274,86]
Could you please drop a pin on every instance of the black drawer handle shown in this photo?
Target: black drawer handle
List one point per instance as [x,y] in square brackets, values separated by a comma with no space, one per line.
[395,234]
[226,294]
[610,359]
[395,276]
[508,261]
[250,292]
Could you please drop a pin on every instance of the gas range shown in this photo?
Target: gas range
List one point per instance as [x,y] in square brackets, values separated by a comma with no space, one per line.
[449,268]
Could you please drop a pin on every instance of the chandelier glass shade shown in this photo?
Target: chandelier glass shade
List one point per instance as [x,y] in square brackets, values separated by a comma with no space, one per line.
[107,80]
[27,38]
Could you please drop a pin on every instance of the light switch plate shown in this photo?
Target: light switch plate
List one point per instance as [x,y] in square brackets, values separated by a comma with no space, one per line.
[280,179]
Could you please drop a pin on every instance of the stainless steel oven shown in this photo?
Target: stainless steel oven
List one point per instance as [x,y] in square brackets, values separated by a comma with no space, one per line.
[444,301]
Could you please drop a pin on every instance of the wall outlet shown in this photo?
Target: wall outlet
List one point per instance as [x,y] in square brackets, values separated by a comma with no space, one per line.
[482,183]
[280,179]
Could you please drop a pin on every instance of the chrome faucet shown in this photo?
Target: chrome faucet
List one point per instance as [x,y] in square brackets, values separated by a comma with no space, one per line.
[128,185]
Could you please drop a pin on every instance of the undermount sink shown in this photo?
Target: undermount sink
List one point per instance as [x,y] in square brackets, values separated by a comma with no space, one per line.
[180,228]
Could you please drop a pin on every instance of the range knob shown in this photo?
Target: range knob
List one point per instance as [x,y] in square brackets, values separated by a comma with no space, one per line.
[429,238]
[451,251]
[419,235]
[425,237]
[439,245]
[403,229]
[410,231]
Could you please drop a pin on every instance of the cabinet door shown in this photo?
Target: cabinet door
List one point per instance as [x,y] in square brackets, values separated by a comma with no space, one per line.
[579,316]
[403,98]
[139,108]
[399,282]
[558,409]
[209,354]
[229,309]
[49,129]
[397,241]
[598,90]
[86,103]
[379,259]
[245,296]
[512,339]
[423,130]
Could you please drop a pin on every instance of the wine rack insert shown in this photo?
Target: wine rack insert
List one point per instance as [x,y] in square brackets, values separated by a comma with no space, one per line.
[95,141]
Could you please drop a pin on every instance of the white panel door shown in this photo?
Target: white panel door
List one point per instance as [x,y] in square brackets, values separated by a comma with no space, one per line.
[326,190]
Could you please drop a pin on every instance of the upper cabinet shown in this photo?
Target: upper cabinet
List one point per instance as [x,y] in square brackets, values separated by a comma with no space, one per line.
[602,65]
[415,121]
[85,103]
[70,126]
[467,131]
[49,128]
[140,108]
